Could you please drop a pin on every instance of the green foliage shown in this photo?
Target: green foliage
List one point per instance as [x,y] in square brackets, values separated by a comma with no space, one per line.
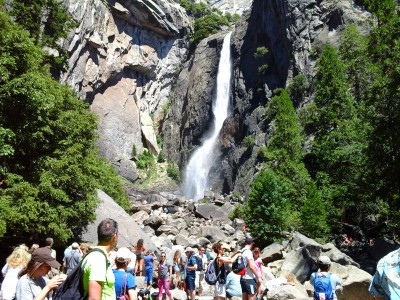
[207,25]
[173,171]
[238,211]
[298,87]
[145,160]
[161,157]
[159,141]
[47,21]
[262,69]
[166,107]
[261,52]
[249,141]
[134,151]
[267,210]
[51,169]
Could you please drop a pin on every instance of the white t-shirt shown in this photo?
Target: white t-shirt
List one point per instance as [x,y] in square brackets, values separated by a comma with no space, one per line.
[9,285]
[248,255]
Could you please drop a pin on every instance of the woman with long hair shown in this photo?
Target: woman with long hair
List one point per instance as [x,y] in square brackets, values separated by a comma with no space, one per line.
[33,284]
[177,266]
[164,276]
[139,251]
[220,261]
[17,260]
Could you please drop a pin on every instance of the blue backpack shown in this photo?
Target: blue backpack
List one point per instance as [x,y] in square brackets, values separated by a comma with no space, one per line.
[322,285]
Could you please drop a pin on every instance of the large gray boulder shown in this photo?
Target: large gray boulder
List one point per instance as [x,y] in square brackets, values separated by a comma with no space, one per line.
[128,230]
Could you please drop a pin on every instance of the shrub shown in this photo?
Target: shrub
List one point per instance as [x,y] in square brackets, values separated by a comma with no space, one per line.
[173,171]
[145,160]
[161,157]
[249,141]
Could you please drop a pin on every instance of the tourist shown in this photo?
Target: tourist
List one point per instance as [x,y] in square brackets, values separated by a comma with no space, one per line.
[251,280]
[204,259]
[33,283]
[72,258]
[190,273]
[124,281]
[220,261]
[139,252]
[177,267]
[164,276]
[17,261]
[48,243]
[324,265]
[98,278]
[385,284]
[233,288]
[149,267]
[259,267]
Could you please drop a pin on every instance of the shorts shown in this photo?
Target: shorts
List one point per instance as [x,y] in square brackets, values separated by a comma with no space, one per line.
[190,282]
[148,275]
[249,286]
[220,290]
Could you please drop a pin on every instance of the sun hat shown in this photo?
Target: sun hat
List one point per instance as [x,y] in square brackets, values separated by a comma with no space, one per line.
[123,254]
[324,260]
[189,249]
[75,245]
[43,255]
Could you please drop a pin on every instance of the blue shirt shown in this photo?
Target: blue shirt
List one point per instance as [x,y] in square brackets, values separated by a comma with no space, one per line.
[149,262]
[386,281]
[191,261]
[233,286]
[335,281]
[119,282]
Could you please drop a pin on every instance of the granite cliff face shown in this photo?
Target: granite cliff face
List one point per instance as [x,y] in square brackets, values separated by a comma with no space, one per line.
[290,29]
[124,58]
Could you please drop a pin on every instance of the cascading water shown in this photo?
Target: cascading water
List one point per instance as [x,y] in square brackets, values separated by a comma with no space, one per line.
[196,172]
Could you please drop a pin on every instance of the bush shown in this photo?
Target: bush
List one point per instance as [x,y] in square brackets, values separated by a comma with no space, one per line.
[145,160]
[173,171]
[161,157]
[249,141]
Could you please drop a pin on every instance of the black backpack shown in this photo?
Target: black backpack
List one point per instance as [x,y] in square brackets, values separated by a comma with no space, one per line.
[239,265]
[72,287]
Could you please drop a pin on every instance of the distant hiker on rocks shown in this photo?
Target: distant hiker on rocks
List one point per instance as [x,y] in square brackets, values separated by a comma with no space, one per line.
[72,258]
[177,267]
[385,284]
[251,280]
[325,282]
[259,267]
[48,243]
[98,278]
[220,260]
[190,273]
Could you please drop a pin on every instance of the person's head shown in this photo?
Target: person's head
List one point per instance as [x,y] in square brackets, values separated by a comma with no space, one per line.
[217,247]
[202,250]
[40,264]
[49,242]
[324,263]
[188,251]
[19,257]
[248,242]
[256,252]
[177,255]
[75,246]
[140,243]
[163,256]
[107,232]
[122,257]
[84,248]
[33,248]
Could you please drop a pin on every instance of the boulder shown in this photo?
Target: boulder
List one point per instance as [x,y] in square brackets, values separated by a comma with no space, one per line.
[288,292]
[271,253]
[129,232]
[213,233]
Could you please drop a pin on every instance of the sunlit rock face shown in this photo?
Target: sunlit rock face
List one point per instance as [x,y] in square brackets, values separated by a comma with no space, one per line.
[124,57]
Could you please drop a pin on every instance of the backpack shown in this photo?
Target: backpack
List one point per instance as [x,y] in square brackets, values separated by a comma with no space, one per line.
[239,265]
[322,285]
[72,287]
[211,276]
[200,266]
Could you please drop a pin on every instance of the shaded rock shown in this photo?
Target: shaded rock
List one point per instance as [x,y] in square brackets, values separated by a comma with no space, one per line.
[337,256]
[156,200]
[271,253]
[300,240]
[129,232]
[167,229]
[213,234]
[153,222]
[127,169]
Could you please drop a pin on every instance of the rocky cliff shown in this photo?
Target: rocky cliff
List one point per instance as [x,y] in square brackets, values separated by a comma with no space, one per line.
[124,58]
[289,29]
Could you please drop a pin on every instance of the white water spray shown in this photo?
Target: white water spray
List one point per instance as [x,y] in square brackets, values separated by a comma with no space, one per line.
[196,172]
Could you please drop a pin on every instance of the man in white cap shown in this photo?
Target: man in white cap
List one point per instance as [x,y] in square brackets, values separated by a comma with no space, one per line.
[190,273]
[72,258]
[325,283]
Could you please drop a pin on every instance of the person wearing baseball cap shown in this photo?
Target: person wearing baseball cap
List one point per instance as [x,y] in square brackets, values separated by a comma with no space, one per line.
[324,265]
[190,272]
[33,284]
[251,280]
[125,283]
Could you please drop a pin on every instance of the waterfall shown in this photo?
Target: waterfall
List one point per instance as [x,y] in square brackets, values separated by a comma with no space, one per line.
[199,165]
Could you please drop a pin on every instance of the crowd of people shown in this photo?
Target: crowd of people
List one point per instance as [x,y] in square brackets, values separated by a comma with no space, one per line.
[35,273]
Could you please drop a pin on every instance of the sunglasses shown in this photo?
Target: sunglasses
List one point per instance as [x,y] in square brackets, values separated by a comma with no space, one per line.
[162,255]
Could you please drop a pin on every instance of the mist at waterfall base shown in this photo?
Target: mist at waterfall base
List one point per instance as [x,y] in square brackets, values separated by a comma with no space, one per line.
[196,172]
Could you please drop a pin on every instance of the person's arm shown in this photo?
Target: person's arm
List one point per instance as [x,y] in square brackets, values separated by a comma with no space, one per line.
[170,271]
[132,294]
[51,284]
[95,289]
[254,270]
[193,267]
